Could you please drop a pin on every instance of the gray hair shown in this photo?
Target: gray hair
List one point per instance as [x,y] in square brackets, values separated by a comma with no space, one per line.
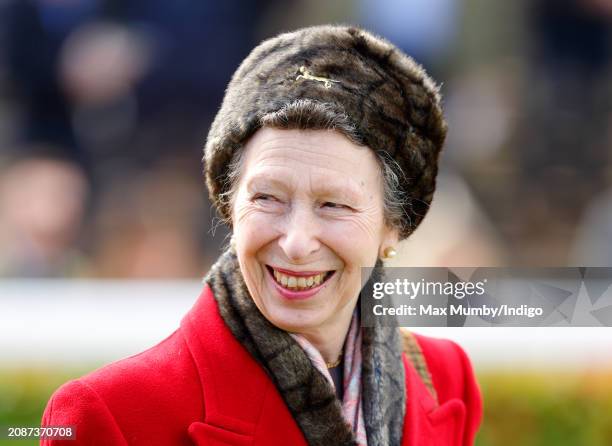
[306,114]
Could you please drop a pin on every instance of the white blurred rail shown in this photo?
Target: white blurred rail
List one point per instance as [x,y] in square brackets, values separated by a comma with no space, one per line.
[55,322]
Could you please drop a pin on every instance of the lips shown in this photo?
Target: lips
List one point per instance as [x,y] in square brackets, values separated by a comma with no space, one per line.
[299,280]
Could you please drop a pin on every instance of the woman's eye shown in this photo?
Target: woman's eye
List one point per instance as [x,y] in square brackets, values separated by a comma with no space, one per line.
[331,204]
[264,197]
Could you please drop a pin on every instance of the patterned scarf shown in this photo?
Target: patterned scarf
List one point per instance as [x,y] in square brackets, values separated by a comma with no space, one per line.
[352,407]
[306,391]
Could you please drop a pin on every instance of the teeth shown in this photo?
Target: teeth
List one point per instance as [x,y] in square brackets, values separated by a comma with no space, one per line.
[298,283]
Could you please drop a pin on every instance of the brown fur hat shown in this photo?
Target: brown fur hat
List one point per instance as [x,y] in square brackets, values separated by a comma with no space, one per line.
[389,100]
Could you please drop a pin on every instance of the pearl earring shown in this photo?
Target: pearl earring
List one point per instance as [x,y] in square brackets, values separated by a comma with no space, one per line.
[390,252]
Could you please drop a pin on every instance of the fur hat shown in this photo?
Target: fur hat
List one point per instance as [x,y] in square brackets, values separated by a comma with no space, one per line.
[389,100]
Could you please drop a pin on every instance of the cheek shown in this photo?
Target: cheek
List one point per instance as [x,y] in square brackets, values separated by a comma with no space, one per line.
[252,229]
[355,241]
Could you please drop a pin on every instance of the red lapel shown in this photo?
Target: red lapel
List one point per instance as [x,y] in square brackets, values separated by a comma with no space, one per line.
[241,403]
[426,423]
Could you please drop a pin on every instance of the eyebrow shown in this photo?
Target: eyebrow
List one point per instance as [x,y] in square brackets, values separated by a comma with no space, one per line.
[264,180]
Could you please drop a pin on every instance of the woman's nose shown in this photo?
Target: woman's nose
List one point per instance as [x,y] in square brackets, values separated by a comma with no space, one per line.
[300,237]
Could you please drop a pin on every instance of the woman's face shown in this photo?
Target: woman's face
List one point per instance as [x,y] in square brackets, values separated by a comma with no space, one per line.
[307,215]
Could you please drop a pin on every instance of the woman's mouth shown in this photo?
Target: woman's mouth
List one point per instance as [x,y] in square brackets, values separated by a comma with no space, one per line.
[296,283]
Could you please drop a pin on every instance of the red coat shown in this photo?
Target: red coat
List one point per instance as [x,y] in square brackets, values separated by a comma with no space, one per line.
[200,386]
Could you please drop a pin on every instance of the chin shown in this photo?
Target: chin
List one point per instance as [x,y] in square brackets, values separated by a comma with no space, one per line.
[296,320]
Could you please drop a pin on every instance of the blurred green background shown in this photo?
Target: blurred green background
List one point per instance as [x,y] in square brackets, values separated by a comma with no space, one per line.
[531,409]
[547,409]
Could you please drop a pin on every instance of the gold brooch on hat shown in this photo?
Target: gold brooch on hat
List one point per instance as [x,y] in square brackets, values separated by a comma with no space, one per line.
[305,74]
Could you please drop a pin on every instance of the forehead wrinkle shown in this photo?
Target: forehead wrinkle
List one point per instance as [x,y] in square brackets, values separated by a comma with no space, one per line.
[278,158]
[279,147]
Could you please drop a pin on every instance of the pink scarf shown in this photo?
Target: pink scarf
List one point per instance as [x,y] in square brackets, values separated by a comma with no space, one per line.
[352,407]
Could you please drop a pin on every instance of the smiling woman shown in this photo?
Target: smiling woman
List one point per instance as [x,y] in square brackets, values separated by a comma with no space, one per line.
[321,159]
